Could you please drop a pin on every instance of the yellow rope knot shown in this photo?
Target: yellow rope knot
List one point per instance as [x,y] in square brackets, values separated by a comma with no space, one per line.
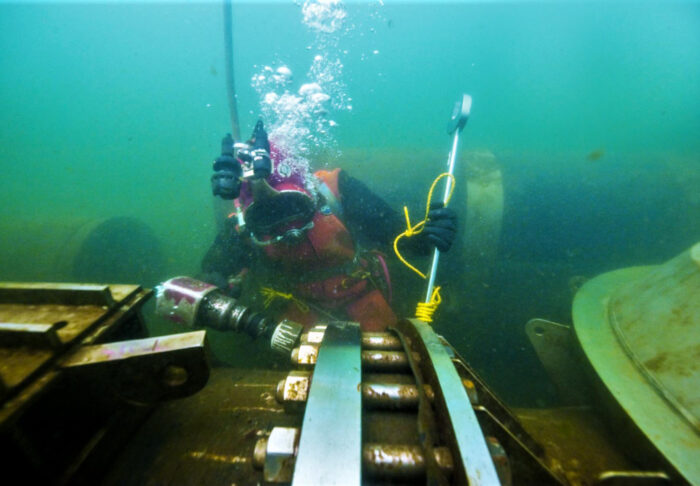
[271,294]
[425,310]
[412,230]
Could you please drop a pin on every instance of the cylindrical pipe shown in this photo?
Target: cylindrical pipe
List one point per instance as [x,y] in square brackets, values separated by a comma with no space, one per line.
[385,360]
[67,249]
[380,340]
[400,461]
[392,461]
[391,396]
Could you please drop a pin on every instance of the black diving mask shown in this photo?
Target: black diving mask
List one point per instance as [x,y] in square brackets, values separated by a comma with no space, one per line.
[283,216]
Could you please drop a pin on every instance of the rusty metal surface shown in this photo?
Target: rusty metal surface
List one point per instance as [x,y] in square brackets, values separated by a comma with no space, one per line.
[146,370]
[305,355]
[380,340]
[55,427]
[40,293]
[294,388]
[393,461]
[577,443]
[645,407]
[84,312]
[208,438]
[387,395]
[388,361]
[657,321]
[35,335]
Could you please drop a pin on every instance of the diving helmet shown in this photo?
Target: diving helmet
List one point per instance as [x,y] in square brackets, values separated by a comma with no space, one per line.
[272,189]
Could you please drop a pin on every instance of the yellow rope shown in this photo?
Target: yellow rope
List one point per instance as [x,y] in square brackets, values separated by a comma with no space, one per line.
[412,230]
[425,310]
[271,294]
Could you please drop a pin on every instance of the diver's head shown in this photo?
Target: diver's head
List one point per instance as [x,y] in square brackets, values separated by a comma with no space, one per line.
[271,186]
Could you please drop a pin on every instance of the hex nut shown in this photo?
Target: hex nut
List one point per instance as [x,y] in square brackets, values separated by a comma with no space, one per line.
[294,388]
[280,454]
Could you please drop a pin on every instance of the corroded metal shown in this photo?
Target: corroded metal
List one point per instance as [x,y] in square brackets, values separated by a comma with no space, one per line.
[314,336]
[78,314]
[391,396]
[151,369]
[374,360]
[390,461]
[380,340]
[30,293]
[639,328]
[471,390]
[387,361]
[294,388]
[401,461]
[304,355]
[33,335]
[55,423]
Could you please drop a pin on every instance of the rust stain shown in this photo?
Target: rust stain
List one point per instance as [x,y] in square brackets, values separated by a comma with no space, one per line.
[225,458]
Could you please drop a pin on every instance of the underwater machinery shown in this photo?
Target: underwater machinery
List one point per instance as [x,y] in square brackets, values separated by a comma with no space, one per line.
[81,383]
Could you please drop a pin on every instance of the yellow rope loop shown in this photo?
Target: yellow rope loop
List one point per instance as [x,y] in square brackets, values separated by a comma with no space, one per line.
[425,310]
[271,294]
[412,230]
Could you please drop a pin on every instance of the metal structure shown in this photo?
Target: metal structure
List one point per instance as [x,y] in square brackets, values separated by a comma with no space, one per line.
[390,407]
[72,390]
[358,408]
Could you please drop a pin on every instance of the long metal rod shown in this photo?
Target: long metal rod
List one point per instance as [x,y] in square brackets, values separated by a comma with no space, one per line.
[330,446]
[228,62]
[436,253]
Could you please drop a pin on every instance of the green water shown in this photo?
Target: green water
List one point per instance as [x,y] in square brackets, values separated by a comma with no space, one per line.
[592,110]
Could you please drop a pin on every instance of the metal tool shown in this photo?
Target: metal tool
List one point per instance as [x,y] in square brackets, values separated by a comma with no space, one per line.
[458,120]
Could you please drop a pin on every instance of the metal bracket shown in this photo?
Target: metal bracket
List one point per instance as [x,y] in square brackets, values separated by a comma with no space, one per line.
[146,370]
[556,348]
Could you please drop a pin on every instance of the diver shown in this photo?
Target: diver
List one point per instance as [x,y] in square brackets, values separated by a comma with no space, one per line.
[320,238]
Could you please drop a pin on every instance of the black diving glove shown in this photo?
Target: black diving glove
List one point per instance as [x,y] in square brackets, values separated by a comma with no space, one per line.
[441,227]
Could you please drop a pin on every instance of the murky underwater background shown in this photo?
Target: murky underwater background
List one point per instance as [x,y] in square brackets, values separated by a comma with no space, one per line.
[588,113]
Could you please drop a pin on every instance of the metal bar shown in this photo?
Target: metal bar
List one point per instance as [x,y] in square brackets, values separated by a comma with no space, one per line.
[55,293]
[385,360]
[39,335]
[436,252]
[330,447]
[471,444]
[401,461]
[380,340]
[390,396]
